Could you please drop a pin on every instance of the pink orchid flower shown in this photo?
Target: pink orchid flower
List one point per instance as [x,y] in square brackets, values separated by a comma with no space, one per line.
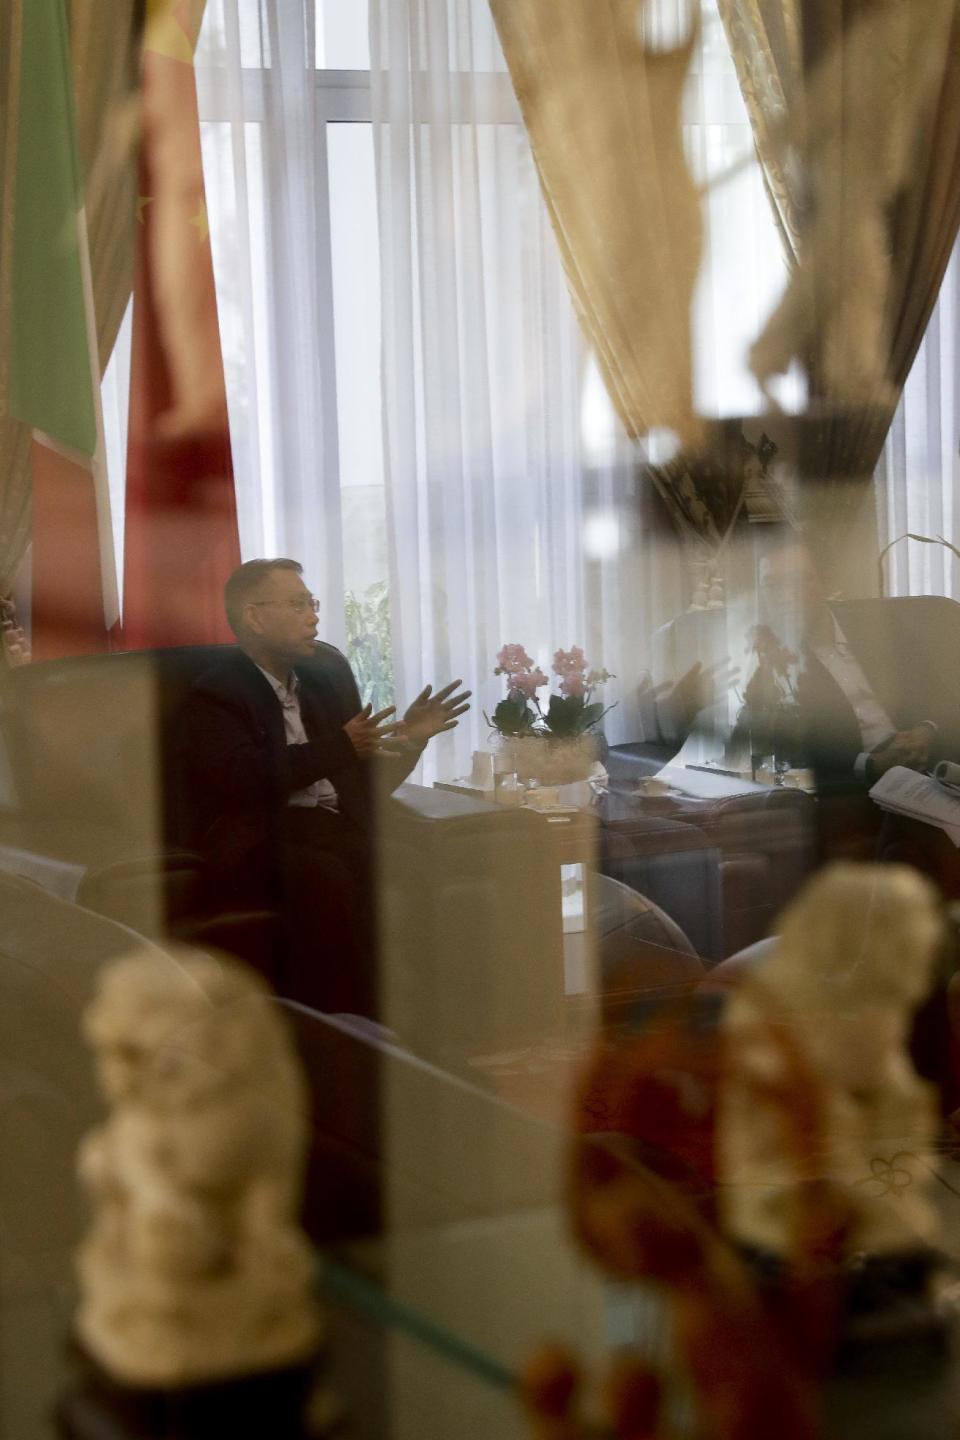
[572,684]
[598,677]
[526,684]
[513,660]
[570,662]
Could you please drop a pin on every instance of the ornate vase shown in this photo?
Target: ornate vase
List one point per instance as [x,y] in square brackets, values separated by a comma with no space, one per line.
[554,762]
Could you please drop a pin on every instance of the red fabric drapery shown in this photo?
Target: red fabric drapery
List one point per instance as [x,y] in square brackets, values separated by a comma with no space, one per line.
[181,539]
[67,611]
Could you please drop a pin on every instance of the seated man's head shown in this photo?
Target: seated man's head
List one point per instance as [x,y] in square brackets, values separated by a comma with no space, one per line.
[272,613]
[792,599]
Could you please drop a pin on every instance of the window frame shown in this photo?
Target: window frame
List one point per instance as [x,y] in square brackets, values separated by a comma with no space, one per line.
[344,97]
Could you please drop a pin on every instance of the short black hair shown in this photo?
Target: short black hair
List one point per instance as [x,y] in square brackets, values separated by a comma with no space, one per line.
[244,581]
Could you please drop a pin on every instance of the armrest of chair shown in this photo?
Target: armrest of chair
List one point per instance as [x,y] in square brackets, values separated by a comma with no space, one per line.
[471,942]
[386,1121]
[161,896]
[644,955]
[150,893]
[253,936]
[763,840]
[671,862]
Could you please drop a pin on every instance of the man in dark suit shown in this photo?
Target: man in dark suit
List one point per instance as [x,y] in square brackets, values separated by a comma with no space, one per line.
[848,726]
[281,770]
[846,735]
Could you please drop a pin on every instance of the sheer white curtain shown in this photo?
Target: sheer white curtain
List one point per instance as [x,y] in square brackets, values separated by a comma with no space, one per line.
[918,479]
[493,535]
[510,510]
[264,164]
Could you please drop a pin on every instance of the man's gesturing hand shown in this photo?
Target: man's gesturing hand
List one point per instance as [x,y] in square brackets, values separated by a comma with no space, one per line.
[368,732]
[431,714]
[911,748]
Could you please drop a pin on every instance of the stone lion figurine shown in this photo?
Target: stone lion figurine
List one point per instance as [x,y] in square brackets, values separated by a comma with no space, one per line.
[819,1086]
[194,1268]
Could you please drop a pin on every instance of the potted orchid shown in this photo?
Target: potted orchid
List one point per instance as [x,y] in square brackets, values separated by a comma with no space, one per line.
[553,745]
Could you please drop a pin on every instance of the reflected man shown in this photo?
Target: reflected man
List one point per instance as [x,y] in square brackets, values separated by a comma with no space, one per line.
[847,735]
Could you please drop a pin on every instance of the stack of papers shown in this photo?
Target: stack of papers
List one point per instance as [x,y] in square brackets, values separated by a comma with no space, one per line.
[920,797]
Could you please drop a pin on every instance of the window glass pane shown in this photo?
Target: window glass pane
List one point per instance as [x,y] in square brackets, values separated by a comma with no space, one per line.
[472,38]
[343,41]
[115,397]
[227,23]
[211,46]
[236,204]
[342,35]
[254,35]
[356,302]
[356,315]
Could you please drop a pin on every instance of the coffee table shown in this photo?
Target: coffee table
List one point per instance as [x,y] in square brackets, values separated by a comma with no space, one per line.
[649,844]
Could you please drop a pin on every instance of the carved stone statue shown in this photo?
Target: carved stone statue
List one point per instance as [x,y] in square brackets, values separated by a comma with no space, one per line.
[866,110]
[194,1269]
[817,1084]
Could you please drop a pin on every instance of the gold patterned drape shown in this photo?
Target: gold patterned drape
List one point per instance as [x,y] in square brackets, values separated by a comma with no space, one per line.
[105,49]
[927,216]
[766,42]
[602,113]
[900,92]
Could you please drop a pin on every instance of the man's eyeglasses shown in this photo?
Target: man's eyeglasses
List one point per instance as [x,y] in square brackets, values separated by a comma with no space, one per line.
[299,606]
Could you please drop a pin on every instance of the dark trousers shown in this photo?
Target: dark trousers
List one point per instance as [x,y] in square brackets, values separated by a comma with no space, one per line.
[314,877]
[328,898]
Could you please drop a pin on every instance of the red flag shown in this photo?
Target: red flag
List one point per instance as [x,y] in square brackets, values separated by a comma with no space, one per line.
[181,538]
[54,362]
[67,610]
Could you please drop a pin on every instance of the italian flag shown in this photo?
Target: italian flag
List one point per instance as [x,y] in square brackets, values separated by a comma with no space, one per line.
[54,364]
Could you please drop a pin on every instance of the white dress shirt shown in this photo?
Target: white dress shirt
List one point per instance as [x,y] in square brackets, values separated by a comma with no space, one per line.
[321,792]
[841,663]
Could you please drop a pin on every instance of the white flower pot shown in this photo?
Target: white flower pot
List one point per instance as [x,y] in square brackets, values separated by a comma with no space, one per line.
[553,762]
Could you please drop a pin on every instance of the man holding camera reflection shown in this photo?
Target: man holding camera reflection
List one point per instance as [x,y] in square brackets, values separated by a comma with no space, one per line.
[845,733]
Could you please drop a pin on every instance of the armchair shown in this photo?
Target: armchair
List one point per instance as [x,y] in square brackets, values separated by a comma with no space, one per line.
[471,910]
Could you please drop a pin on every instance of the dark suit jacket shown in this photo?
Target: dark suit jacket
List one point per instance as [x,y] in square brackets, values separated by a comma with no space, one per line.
[826,736]
[829,739]
[236,770]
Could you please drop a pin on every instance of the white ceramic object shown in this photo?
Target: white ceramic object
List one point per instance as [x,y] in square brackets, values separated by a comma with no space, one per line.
[553,762]
[818,1082]
[194,1268]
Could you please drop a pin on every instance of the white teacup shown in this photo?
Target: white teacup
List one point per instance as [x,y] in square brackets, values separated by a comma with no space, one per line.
[481,776]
